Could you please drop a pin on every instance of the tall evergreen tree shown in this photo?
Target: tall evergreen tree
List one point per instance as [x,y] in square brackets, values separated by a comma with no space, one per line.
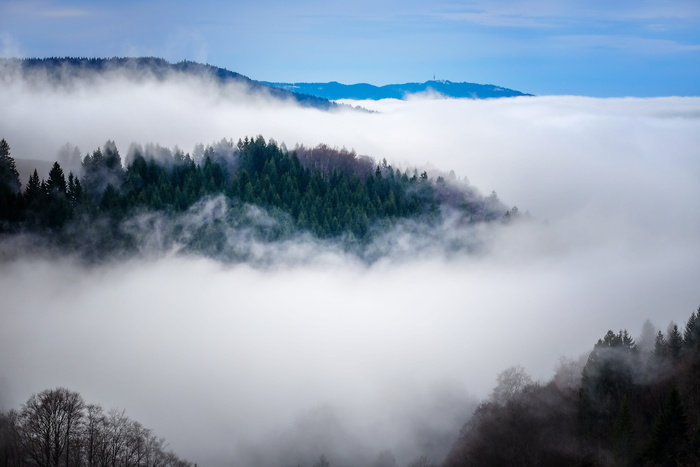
[74,190]
[10,198]
[33,190]
[691,333]
[55,208]
[660,346]
[675,342]
[9,177]
[57,180]
[606,379]
[669,441]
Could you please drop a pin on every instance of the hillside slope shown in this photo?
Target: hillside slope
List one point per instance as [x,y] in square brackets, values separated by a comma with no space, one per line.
[335,90]
[63,70]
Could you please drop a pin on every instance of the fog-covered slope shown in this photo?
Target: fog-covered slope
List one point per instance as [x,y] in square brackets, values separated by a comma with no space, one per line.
[67,70]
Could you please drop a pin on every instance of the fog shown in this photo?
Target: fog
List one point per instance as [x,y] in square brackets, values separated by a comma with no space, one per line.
[329,355]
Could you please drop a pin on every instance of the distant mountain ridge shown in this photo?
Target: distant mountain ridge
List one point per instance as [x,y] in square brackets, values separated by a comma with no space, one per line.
[59,69]
[335,90]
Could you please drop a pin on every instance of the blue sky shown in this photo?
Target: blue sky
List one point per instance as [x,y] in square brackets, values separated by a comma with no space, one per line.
[593,47]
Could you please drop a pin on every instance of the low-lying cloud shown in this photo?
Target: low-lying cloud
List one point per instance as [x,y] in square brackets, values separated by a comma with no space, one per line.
[238,362]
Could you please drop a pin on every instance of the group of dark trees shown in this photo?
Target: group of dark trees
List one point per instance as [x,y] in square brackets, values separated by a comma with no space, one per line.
[328,192]
[57,428]
[632,404]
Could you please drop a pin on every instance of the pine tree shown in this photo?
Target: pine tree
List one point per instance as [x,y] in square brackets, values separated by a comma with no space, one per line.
[669,440]
[606,380]
[9,177]
[10,197]
[33,191]
[56,183]
[74,190]
[660,347]
[623,434]
[691,334]
[675,342]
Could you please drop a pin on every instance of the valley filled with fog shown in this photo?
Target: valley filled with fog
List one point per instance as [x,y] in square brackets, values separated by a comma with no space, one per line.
[317,352]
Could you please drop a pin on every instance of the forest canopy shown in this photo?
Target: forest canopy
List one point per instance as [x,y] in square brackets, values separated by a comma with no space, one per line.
[253,186]
[630,402]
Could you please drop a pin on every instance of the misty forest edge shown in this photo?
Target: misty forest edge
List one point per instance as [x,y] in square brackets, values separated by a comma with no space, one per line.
[630,403]
[253,186]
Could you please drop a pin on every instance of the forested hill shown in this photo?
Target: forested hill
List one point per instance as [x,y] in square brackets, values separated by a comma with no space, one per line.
[630,403]
[222,201]
[70,69]
[335,90]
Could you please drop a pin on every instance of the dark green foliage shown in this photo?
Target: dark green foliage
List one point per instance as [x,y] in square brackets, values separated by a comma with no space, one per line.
[623,432]
[331,194]
[625,413]
[74,190]
[607,378]
[10,199]
[151,185]
[675,342]
[102,168]
[330,204]
[691,334]
[669,443]
[54,207]
[660,347]
[56,183]
[9,177]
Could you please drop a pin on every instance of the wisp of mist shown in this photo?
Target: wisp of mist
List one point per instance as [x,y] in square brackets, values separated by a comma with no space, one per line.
[238,364]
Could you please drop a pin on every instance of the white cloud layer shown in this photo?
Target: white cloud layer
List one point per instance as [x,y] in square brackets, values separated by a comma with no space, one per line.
[213,357]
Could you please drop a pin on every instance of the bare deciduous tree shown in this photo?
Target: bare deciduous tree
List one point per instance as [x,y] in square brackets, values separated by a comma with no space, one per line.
[49,426]
[510,382]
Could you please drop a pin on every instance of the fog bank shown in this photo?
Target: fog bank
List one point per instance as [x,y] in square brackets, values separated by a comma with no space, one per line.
[222,360]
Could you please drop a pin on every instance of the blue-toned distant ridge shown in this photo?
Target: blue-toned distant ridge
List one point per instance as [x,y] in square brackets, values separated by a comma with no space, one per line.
[335,90]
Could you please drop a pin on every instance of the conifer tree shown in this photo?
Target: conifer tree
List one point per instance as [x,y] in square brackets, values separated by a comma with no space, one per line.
[691,333]
[623,434]
[669,440]
[33,191]
[9,177]
[57,180]
[660,346]
[10,198]
[675,342]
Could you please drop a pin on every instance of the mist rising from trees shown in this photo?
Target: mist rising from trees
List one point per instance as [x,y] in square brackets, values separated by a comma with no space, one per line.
[628,404]
[391,352]
[208,204]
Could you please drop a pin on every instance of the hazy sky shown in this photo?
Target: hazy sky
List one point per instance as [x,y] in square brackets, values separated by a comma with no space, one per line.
[592,48]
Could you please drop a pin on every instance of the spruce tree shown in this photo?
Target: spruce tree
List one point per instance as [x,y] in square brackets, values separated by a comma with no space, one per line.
[10,199]
[669,440]
[691,333]
[33,191]
[675,342]
[9,177]
[660,347]
[57,180]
